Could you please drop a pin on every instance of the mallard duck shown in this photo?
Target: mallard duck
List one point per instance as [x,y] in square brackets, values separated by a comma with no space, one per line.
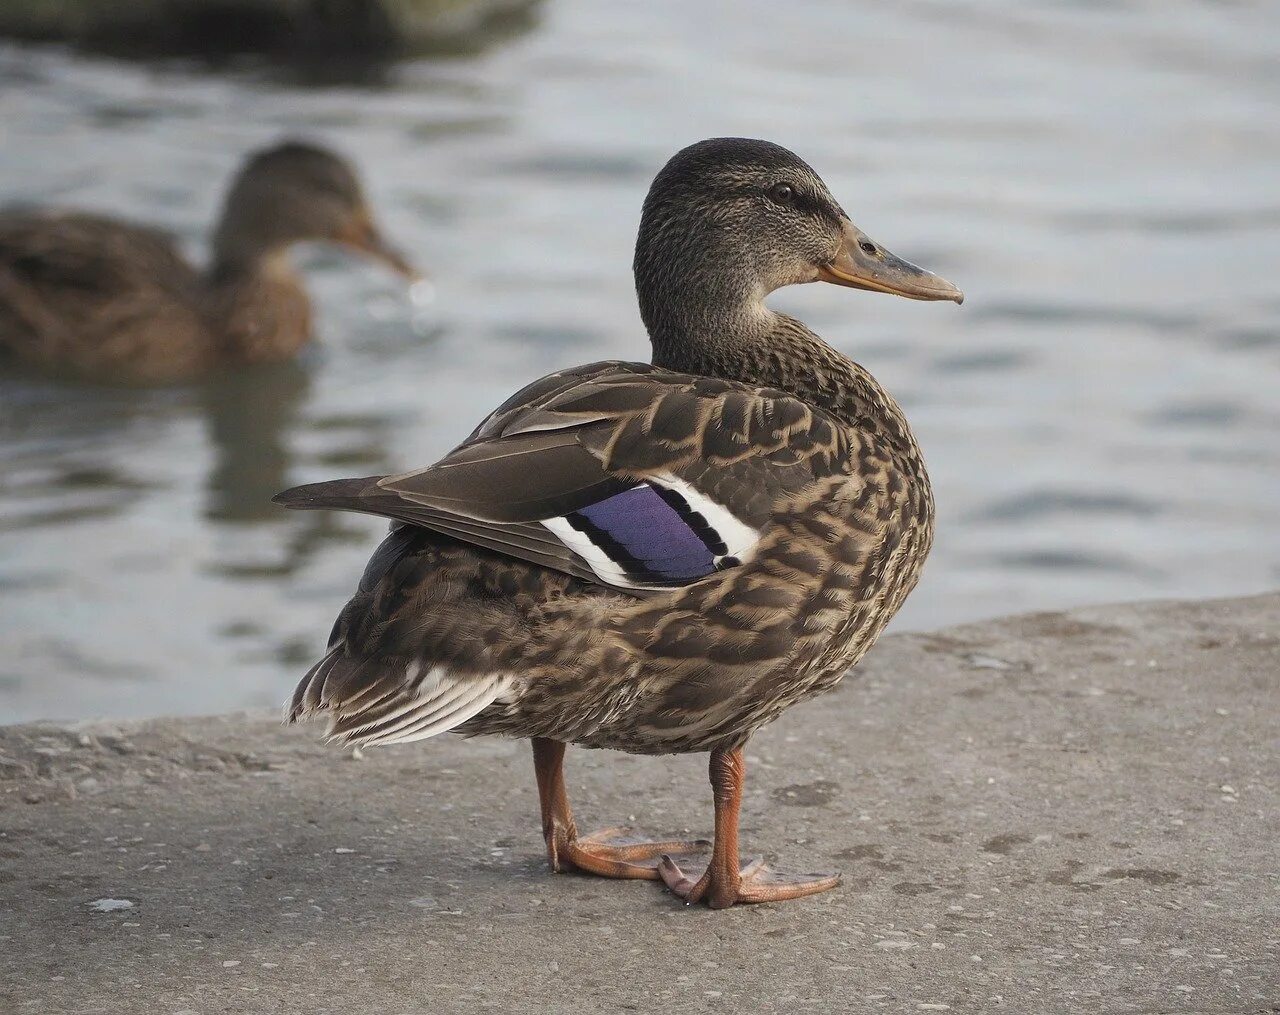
[95,296]
[653,557]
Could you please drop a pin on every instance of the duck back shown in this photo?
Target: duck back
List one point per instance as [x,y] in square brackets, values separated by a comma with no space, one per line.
[87,293]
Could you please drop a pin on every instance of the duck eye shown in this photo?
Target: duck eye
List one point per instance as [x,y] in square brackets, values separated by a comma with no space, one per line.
[783,193]
[867,247]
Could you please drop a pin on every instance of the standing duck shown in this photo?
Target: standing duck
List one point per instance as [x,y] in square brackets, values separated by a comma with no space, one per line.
[89,295]
[653,557]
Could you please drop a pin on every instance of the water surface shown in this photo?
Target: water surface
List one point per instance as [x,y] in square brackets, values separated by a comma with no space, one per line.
[1100,417]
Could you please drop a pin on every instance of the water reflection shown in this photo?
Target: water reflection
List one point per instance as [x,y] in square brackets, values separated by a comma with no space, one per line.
[100,587]
[253,420]
[74,451]
[60,453]
[250,416]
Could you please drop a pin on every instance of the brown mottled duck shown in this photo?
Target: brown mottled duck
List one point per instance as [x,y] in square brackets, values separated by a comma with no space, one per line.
[90,295]
[653,557]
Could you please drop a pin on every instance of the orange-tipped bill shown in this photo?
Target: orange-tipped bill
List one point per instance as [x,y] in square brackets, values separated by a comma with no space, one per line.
[364,236]
[863,264]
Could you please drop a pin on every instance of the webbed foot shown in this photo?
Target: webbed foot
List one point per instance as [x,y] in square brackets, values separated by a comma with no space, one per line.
[615,853]
[756,882]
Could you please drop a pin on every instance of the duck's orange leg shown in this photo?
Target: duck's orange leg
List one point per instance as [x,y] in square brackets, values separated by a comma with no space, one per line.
[610,853]
[724,883]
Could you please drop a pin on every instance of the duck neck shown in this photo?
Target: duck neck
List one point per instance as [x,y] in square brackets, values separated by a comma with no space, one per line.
[748,342]
[258,306]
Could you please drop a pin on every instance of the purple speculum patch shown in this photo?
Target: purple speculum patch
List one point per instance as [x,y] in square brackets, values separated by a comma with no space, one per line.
[650,538]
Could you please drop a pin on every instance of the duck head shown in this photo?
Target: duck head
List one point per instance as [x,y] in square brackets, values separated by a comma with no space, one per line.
[729,220]
[294,193]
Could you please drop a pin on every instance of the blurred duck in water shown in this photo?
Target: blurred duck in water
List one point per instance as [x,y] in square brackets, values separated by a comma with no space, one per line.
[90,295]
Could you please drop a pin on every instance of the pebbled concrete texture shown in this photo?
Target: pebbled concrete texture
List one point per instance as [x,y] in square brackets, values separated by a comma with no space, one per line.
[1062,812]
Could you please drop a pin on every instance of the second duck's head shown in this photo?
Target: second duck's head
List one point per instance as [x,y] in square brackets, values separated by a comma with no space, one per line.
[729,220]
[294,193]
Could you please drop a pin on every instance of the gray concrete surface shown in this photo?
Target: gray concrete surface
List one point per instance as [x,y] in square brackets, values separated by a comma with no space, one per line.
[1051,813]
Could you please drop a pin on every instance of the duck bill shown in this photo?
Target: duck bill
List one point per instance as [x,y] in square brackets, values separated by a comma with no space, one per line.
[366,238]
[877,270]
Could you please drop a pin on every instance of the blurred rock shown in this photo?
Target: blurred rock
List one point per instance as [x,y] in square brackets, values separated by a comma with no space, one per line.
[301,30]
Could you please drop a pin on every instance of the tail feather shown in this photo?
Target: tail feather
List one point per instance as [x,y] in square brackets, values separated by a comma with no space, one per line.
[308,697]
[370,698]
[387,701]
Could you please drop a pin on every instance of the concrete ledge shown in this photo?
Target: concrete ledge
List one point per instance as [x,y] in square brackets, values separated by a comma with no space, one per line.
[1053,813]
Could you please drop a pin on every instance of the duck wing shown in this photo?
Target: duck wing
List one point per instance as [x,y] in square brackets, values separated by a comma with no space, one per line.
[623,474]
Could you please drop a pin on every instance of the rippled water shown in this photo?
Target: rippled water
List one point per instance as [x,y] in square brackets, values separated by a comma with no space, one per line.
[1101,417]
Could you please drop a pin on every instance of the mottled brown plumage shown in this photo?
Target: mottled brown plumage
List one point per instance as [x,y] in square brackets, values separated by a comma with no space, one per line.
[656,558]
[90,295]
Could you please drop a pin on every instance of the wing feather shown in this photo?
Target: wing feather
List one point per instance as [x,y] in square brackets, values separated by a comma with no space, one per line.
[569,442]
